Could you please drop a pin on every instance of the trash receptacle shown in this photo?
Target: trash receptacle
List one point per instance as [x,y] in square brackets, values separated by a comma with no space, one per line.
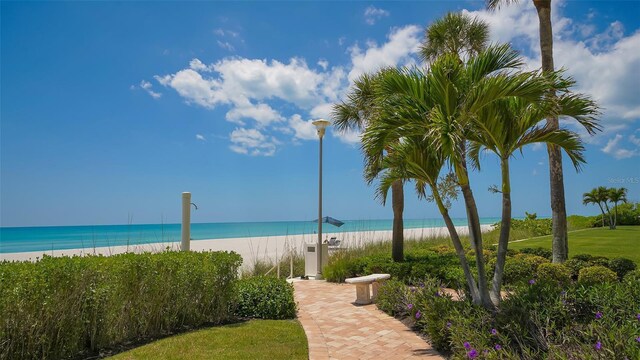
[311,258]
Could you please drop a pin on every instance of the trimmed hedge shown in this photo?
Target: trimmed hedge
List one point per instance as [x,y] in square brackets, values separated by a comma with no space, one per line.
[74,306]
[554,272]
[594,275]
[265,297]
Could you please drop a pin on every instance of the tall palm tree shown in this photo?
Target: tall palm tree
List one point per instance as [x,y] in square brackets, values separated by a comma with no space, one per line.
[616,196]
[442,107]
[592,197]
[560,244]
[355,114]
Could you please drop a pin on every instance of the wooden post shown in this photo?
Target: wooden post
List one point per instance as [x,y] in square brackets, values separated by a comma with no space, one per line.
[186,221]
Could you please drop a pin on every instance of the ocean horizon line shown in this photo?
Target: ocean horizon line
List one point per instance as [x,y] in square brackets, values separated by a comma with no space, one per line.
[46,238]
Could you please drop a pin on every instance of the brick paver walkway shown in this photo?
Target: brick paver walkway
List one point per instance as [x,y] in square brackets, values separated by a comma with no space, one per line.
[338,329]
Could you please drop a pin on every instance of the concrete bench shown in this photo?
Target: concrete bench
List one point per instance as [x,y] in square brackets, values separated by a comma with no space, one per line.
[363,295]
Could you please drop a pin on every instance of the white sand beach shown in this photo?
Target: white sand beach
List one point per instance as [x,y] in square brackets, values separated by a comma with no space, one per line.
[250,248]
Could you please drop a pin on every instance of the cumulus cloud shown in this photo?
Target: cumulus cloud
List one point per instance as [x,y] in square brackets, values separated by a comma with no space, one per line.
[200,137]
[303,129]
[258,91]
[263,114]
[614,148]
[373,14]
[252,142]
[604,65]
[148,87]
[402,42]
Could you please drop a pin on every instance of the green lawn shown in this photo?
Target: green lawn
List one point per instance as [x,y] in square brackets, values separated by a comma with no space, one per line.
[622,242]
[256,339]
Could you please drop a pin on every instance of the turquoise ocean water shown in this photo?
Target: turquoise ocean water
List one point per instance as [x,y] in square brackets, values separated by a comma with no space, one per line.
[22,239]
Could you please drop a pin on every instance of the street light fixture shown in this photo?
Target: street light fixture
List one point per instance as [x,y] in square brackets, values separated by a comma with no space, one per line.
[321,126]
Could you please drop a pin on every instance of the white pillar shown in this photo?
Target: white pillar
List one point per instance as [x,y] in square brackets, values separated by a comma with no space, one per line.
[186,221]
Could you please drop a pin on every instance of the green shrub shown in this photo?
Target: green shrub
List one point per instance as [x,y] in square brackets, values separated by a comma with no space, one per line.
[521,268]
[554,272]
[628,214]
[622,266]
[539,251]
[583,257]
[633,277]
[575,265]
[265,297]
[392,298]
[593,275]
[67,306]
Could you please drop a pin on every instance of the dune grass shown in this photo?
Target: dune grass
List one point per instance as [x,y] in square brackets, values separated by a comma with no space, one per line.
[622,242]
[255,339]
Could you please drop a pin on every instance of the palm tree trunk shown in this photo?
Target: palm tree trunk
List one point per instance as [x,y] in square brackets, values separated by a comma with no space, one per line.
[560,244]
[505,227]
[615,215]
[397,238]
[457,244]
[610,217]
[602,211]
[475,233]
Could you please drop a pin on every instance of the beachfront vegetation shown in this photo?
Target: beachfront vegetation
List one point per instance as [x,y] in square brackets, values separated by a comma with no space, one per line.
[421,120]
[480,104]
[78,306]
[255,339]
[601,196]
[539,319]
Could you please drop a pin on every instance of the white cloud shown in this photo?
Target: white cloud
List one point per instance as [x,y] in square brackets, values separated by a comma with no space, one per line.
[302,129]
[259,91]
[226,33]
[200,137]
[263,114]
[146,86]
[350,137]
[198,65]
[194,88]
[373,14]
[252,142]
[634,139]
[402,43]
[604,66]
[226,45]
[614,148]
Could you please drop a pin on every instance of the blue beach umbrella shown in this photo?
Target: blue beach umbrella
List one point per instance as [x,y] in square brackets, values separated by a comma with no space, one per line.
[330,220]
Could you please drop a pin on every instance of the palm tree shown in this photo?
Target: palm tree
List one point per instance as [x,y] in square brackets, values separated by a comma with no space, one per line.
[356,113]
[592,197]
[602,194]
[442,108]
[454,33]
[509,125]
[616,196]
[560,244]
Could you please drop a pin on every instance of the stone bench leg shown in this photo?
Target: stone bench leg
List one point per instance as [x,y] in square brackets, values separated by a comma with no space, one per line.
[374,289]
[363,296]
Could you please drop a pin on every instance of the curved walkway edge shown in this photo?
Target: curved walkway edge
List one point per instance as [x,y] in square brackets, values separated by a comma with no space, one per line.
[338,329]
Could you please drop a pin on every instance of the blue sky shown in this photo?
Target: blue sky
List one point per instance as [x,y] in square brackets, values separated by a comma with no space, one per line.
[111,110]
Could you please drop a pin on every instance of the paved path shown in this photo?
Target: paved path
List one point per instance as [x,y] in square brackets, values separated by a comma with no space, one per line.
[338,329]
